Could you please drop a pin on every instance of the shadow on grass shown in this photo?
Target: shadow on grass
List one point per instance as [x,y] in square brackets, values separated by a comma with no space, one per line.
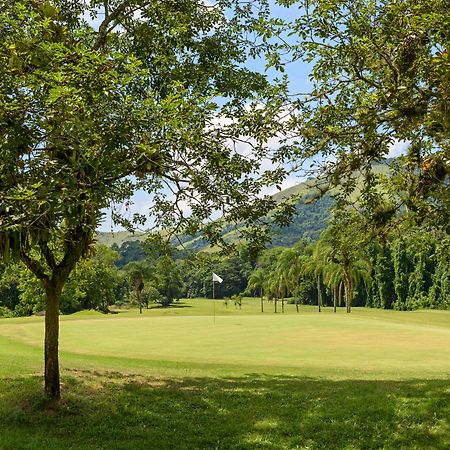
[109,411]
[171,306]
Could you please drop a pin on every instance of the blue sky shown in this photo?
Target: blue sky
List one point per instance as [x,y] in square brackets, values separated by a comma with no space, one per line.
[298,75]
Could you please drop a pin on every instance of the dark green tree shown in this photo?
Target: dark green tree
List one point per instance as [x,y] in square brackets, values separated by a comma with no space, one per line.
[130,251]
[94,283]
[9,293]
[382,289]
[170,280]
[439,295]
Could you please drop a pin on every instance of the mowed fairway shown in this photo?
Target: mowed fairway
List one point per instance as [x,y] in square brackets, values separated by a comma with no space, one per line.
[366,344]
[241,379]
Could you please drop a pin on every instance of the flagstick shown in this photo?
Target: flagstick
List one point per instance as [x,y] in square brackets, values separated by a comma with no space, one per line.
[214,306]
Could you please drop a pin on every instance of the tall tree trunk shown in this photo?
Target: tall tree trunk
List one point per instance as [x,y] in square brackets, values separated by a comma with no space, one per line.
[51,360]
[335,297]
[275,303]
[319,293]
[341,286]
[138,295]
[350,296]
[348,291]
[262,300]
[139,286]
[282,304]
[53,285]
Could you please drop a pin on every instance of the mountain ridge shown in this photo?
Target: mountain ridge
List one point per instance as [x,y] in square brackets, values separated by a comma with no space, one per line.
[310,220]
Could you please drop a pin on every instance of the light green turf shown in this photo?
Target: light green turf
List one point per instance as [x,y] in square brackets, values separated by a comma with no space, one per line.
[175,379]
[366,344]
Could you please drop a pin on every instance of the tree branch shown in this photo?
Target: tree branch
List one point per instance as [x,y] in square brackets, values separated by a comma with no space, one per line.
[34,267]
[48,255]
[104,28]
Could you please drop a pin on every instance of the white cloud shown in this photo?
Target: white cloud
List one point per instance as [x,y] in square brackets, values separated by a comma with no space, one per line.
[398,148]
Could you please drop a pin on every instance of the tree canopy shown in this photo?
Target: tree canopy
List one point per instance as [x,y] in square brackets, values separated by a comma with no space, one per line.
[153,97]
[379,80]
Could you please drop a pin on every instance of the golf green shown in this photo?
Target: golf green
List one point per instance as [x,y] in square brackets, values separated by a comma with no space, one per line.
[366,344]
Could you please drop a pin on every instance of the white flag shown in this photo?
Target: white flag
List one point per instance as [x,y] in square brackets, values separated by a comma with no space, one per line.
[217,278]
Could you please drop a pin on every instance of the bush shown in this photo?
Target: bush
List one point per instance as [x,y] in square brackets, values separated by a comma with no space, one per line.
[6,312]
[237,299]
[150,294]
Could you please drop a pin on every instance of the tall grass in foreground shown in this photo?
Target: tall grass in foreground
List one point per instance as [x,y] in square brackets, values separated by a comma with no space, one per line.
[109,411]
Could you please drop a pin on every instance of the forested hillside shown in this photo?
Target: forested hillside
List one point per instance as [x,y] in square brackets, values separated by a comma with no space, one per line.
[310,220]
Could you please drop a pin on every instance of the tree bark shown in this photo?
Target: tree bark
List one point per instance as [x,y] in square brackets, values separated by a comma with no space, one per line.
[138,295]
[334,297]
[51,359]
[319,293]
[53,283]
[262,300]
[348,291]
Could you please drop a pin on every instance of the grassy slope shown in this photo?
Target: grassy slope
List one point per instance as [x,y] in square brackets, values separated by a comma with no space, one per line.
[174,379]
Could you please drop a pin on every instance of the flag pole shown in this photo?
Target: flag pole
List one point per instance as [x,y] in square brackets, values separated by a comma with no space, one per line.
[215,277]
[214,305]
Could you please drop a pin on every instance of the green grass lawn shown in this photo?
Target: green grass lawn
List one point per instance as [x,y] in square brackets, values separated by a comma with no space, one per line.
[180,378]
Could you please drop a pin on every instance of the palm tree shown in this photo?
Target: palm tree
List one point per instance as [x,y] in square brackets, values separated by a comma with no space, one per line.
[138,273]
[290,265]
[342,245]
[256,282]
[136,277]
[317,258]
[275,286]
[333,279]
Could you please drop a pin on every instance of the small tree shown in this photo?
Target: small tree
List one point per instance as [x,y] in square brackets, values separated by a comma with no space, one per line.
[170,280]
[313,267]
[290,265]
[138,274]
[150,294]
[256,282]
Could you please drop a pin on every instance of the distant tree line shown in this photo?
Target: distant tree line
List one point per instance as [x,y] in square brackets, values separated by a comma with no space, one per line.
[407,273]
[404,271]
[96,283]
